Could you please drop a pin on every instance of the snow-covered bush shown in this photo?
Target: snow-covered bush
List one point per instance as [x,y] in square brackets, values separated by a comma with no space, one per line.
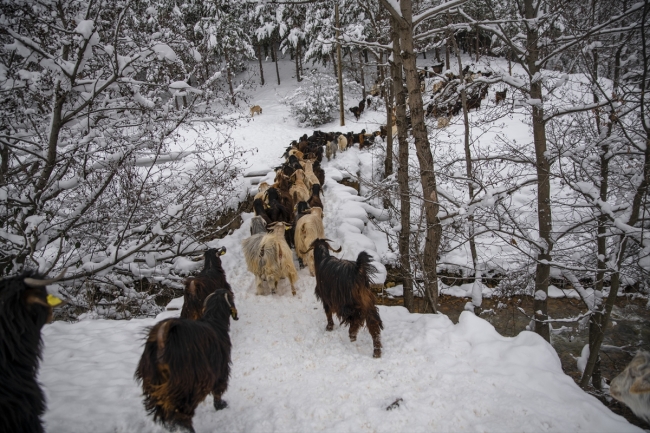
[313,103]
[96,173]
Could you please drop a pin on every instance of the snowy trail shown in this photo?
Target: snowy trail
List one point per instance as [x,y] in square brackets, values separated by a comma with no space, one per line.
[290,375]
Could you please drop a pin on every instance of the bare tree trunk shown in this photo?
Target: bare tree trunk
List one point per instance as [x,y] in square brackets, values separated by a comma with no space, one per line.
[543,267]
[399,93]
[296,56]
[640,196]
[447,64]
[425,158]
[509,62]
[275,58]
[615,280]
[339,67]
[477,45]
[259,51]
[388,99]
[470,174]
[361,73]
[229,78]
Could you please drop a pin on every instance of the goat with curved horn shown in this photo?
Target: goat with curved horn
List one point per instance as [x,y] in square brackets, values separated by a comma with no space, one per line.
[35,283]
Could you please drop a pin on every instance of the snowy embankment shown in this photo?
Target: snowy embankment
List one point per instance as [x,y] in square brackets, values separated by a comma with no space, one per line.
[290,375]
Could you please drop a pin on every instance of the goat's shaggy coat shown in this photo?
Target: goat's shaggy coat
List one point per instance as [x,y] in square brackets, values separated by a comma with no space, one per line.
[319,172]
[185,360]
[270,259]
[314,200]
[330,149]
[310,176]
[299,190]
[261,189]
[23,312]
[343,286]
[198,288]
[308,229]
[258,225]
[342,142]
[632,386]
[260,211]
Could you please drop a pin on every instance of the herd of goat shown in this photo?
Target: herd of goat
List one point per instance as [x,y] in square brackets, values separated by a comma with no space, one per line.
[189,357]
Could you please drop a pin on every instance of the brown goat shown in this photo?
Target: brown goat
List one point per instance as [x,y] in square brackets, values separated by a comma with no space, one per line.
[343,286]
[185,360]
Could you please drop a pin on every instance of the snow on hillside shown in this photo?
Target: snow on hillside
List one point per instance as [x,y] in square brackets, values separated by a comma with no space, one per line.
[290,375]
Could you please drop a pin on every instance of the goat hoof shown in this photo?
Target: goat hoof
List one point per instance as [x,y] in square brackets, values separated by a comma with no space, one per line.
[353,339]
[329,327]
[377,353]
[220,404]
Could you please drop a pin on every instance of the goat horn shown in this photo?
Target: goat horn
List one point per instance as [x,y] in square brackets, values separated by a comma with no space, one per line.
[206,299]
[35,283]
[308,250]
[330,248]
[225,296]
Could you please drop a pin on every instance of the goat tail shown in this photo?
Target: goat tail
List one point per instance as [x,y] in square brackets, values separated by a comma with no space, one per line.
[154,372]
[365,268]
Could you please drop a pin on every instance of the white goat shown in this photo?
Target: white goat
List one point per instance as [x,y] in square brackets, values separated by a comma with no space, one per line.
[330,149]
[270,259]
[342,142]
[299,191]
[309,228]
[310,177]
[632,386]
[261,190]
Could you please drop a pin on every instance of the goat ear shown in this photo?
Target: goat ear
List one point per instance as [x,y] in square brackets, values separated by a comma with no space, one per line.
[191,288]
[222,251]
[32,299]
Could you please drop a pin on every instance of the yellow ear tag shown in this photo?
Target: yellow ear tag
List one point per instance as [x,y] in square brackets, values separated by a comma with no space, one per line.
[287,227]
[222,252]
[53,301]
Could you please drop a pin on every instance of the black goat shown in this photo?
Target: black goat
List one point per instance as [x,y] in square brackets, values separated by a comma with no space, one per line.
[356,112]
[276,210]
[314,200]
[185,360]
[343,286]
[362,106]
[319,172]
[198,288]
[260,211]
[25,307]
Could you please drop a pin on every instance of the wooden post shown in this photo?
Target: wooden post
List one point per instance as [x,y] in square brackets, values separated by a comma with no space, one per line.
[339,70]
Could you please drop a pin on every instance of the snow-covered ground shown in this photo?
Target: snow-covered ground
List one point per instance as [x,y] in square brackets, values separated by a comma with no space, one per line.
[290,375]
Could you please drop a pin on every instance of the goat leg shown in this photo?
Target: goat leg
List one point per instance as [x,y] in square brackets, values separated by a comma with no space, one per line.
[374,326]
[330,322]
[355,325]
[259,288]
